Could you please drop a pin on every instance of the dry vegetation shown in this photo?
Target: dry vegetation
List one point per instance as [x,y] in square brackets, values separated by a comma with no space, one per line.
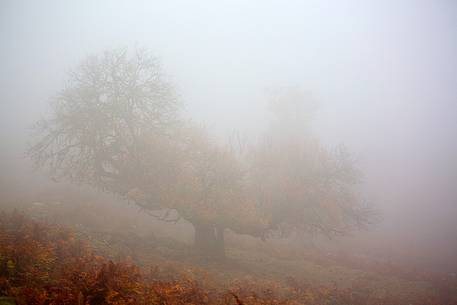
[49,264]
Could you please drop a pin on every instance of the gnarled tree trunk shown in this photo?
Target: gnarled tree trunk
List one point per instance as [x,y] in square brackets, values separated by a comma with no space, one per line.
[209,240]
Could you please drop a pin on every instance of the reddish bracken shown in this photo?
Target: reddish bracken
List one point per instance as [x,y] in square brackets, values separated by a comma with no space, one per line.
[46,264]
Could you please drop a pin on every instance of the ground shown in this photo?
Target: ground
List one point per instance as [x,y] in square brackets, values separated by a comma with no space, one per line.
[253,270]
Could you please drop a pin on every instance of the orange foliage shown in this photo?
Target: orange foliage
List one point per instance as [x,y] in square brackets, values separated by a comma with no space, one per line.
[42,264]
[45,264]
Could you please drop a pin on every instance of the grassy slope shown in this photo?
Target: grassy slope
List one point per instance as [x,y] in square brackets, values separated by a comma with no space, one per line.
[265,265]
[262,266]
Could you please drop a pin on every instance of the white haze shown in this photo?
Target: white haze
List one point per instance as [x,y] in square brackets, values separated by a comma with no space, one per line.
[383,72]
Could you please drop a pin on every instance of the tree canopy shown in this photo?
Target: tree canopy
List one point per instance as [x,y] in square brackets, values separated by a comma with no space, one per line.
[118,126]
[304,186]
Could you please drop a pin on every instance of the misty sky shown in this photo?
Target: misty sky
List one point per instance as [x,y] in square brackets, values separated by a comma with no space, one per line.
[383,72]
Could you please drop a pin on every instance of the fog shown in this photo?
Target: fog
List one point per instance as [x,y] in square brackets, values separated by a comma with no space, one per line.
[383,74]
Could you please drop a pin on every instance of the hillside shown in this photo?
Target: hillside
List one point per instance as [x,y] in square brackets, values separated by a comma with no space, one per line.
[52,264]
